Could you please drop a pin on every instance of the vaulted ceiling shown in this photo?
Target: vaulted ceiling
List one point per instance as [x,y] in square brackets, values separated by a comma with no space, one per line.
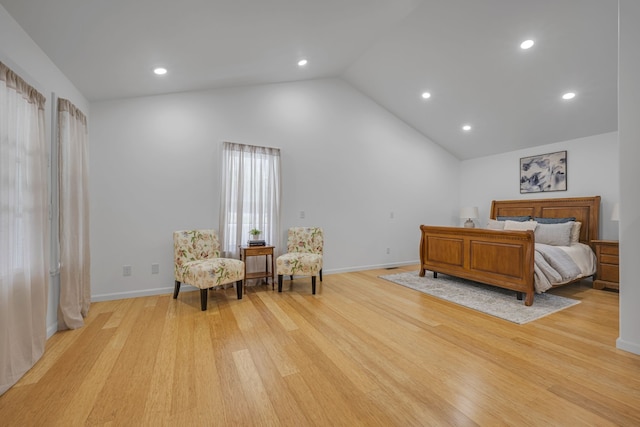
[465,53]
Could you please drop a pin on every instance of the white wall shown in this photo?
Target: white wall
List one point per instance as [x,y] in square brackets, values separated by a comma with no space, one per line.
[346,162]
[154,169]
[629,128]
[22,55]
[592,170]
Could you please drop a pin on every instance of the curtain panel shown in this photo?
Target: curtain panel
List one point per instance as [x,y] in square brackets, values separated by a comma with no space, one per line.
[250,196]
[73,203]
[24,227]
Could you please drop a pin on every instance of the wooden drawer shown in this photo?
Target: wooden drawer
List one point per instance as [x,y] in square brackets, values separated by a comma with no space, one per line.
[609,250]
[608,259]
[258,251]
[609,273]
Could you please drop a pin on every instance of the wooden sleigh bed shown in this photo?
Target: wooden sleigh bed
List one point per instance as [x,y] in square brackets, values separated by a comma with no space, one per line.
[499,257]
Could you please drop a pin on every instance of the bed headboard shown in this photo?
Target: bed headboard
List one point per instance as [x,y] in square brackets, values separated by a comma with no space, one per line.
[584,209]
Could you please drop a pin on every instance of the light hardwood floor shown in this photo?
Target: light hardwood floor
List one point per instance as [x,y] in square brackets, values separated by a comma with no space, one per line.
[363,351]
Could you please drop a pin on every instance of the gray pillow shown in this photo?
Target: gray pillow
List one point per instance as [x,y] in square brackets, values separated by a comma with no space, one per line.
[554,234]
[553,220]
[514,218]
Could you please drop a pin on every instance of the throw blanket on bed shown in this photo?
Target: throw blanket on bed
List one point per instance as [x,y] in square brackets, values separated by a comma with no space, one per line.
[553,266]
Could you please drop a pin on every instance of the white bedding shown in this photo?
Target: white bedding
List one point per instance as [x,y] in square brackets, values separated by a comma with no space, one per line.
[579,253]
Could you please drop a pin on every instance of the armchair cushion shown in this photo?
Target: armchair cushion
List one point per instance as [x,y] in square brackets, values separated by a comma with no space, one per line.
[210,273]
[293,263]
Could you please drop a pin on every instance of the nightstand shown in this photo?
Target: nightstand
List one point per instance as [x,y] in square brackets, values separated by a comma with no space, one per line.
[608,274]
[267,251]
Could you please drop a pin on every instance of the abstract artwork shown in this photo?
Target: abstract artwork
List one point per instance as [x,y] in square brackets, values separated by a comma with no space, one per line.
[546,172]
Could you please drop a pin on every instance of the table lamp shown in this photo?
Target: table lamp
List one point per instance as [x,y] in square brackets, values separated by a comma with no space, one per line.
[470,213]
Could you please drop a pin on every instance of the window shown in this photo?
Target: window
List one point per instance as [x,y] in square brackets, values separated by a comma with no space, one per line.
[24,227]
[250,195]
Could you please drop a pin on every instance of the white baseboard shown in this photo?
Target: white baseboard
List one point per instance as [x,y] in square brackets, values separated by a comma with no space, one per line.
[52,329]
[631,347]
[184,287]
[136,294]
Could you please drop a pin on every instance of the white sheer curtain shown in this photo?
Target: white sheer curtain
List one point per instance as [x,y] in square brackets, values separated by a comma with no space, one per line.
[73,202]
[24,228]
[250,196]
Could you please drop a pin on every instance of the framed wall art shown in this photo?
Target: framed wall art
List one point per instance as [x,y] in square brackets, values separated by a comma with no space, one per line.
[545,172]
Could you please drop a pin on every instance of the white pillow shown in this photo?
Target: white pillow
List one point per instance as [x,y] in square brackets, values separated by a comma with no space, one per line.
[520,225]
[554,234]
[575,232]
[495,225]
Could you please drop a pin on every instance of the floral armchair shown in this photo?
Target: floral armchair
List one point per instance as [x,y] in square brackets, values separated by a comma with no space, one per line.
[304,255]
[197,262]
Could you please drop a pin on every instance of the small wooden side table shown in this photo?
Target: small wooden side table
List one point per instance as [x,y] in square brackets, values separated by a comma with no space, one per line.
[267,251]
[608,274]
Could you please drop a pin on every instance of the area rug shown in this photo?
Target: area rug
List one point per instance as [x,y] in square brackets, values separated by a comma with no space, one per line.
[491,300]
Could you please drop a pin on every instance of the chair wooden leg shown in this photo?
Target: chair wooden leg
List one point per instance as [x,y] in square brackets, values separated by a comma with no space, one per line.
[239,289]
[313,285]
[279,282]
[291,277]
[321,275]
[176,290]
[203,299]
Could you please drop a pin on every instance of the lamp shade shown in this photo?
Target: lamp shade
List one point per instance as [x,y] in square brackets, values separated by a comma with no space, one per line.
[615,214]
[469,212]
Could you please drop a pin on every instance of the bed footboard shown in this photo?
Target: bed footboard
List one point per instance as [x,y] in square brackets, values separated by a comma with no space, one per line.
[495,257]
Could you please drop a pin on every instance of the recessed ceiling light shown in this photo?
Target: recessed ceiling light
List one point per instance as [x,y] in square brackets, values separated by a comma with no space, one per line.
[569,95]
[466,128]
[302,62]
[160,71]
[426,95]
[527,44]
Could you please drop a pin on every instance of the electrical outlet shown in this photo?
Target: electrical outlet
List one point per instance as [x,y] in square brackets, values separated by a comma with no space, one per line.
[388,251]
[302,214]
[391,215]
[126,270]
[155,268]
